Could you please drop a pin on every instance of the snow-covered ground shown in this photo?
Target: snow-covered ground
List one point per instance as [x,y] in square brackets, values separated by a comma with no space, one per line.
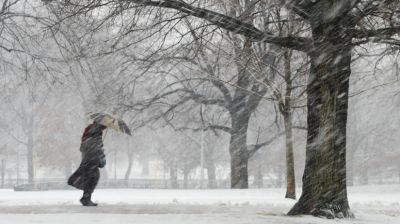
[371,204]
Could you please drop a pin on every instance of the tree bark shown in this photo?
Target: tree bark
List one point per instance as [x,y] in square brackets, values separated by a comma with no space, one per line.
[238,151]
[324,179]
[287,116]
[290,174]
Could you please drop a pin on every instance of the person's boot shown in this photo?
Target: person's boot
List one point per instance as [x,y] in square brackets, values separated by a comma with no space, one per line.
[86,200]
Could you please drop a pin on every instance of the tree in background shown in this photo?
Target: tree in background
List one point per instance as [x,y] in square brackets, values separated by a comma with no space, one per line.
[60,135]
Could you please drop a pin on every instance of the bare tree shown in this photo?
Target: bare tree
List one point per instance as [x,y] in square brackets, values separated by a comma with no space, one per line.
[289,87]
[335,28]
[58,137]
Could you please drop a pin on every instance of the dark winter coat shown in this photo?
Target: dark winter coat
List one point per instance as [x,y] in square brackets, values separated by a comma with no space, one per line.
[87,175]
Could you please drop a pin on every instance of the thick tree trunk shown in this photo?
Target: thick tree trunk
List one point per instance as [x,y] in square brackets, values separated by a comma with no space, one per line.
[324,180]
[290,175]
[238,152]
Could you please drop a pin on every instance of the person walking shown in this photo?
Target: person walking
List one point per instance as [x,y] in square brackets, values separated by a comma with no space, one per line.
[87,175]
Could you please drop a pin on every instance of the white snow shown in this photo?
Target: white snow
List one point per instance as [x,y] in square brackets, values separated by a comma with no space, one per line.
[371,204]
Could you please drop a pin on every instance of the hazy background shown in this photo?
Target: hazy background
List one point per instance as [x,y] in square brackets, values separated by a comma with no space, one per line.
[56,73]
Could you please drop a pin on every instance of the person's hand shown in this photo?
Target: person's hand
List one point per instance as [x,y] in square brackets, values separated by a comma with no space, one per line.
[102,160]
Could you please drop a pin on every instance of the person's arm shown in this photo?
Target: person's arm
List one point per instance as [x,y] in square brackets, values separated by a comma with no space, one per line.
[102,159]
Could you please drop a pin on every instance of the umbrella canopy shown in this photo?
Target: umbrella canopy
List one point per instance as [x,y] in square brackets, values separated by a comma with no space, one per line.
[109,121]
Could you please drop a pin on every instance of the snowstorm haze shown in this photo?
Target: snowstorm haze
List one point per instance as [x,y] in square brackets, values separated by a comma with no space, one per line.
[290,99]
[59,110]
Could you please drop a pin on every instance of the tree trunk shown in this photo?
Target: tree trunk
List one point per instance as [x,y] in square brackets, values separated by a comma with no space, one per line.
[30,163]
[290,174]
[324,180]
[129,168]
[286,110]
[238,152]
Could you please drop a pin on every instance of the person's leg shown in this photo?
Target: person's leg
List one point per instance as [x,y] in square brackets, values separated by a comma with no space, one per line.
[86,199]
[91,181]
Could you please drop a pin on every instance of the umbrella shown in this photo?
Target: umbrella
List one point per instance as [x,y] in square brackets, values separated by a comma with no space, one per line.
[109,121]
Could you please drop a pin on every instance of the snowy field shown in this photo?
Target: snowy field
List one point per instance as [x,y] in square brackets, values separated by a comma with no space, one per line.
[371,204]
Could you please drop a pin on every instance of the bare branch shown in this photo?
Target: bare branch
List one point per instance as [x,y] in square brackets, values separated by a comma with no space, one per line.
[378,33]
[231,24]
[252,149]
[210,127]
